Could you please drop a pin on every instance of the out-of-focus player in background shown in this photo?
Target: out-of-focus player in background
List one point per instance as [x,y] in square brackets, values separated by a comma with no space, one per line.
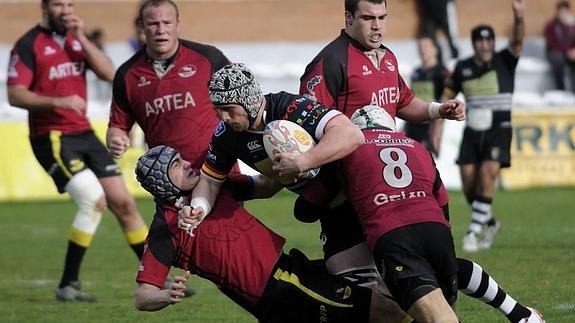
[47,77]
[487,80]
[427,83]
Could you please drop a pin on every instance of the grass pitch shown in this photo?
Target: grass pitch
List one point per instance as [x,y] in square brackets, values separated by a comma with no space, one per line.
[533,258]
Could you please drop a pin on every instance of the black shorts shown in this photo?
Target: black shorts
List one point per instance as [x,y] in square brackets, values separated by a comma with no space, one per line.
[63,155]
[340,230]
[301,290]
[490,145]
[416,255]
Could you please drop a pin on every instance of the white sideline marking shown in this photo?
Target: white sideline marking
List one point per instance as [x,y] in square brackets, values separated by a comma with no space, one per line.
[563,307]
[39,282]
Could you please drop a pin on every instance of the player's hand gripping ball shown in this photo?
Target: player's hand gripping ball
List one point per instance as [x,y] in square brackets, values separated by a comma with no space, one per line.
[282,136]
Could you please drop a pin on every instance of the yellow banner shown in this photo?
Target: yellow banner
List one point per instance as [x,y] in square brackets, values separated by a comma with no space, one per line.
[22,177]
[542,150]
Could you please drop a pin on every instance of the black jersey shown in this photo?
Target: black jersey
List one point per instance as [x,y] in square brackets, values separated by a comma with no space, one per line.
[227,145]
[488,89]
[428,83]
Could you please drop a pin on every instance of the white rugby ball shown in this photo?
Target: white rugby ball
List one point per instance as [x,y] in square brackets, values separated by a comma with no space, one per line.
[282,136]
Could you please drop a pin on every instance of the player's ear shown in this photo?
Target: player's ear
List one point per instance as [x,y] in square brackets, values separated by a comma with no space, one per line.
[348,18]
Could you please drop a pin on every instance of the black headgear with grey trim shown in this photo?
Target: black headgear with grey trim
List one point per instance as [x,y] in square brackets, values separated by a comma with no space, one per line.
[152,173]
[236,84]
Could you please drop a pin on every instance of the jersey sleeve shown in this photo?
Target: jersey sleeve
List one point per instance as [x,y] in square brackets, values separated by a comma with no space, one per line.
[159,253]
[509,58]
[121,115]
[218,59]
[218,163]
[215,56]
[321,81]
[311,116]
[22,64]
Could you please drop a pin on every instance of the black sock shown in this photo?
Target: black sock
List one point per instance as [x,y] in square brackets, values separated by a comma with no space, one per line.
[72,264]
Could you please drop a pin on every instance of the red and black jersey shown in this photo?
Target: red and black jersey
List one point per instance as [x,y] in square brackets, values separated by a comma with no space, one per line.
[227,145]
[174,108]
[392,182]
[342,76]
[50,64]
[231,248]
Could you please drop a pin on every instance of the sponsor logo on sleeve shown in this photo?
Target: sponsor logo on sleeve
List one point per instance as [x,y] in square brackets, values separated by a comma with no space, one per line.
[221,128]
[254,146]
[310,86]
[12,71]
[211,157]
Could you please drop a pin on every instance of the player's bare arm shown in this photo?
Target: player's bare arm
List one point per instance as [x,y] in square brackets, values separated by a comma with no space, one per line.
[151,298]
[203,198]
[518,33]
[418,110]
[98,61]
[19,96]
[340,138]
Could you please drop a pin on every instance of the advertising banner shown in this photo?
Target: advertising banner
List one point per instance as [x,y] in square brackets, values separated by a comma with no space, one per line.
[543,149]
[22,177]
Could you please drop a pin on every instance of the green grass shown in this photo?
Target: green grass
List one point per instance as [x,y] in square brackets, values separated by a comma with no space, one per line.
[533,258]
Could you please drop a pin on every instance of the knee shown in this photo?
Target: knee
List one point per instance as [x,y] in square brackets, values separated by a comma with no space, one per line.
[123,205]
[101,204]
[86,191]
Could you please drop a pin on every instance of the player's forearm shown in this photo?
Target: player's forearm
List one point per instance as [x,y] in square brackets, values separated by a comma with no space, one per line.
[207,189]
[151,299]
[98,60]
[20,97]
[415,112]
[517,35]
[341,137]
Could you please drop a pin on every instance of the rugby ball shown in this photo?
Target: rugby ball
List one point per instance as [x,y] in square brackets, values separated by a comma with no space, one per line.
[282,136]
